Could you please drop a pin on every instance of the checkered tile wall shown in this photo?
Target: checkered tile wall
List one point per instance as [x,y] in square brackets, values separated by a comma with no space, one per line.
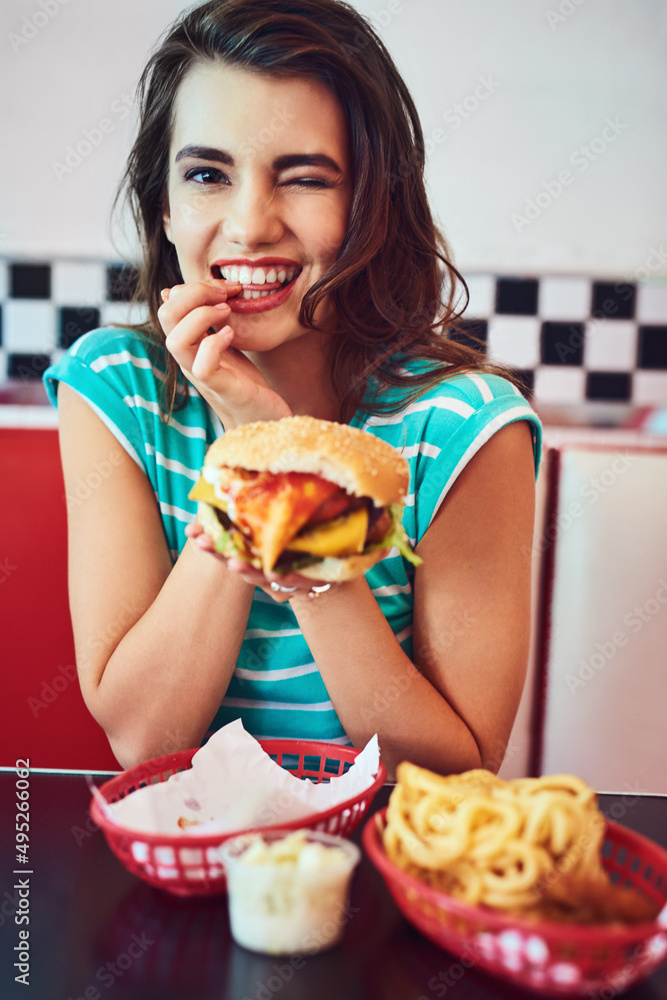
[570,338]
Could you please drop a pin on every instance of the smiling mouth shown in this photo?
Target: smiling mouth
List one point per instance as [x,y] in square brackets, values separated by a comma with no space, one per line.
[258,282]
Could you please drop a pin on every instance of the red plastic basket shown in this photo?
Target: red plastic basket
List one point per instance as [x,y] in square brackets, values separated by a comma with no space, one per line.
[554,959]
[188,864]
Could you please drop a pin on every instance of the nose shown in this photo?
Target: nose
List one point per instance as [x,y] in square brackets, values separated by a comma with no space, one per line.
[252,218]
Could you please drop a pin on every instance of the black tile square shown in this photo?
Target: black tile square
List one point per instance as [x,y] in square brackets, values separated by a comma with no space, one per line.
[73,322]
[516,296]
[526,379]
[470,333]
[652,351]
[562,343]
[121,282]
[30,281]
[27,366]
[613,300]
[609,386]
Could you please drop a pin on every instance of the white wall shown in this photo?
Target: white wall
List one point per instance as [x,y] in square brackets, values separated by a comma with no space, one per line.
[553,80]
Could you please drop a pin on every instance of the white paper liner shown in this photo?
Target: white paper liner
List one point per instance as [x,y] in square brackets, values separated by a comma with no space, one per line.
[232,785]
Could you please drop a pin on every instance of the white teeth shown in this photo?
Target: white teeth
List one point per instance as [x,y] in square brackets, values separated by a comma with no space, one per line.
[258,275]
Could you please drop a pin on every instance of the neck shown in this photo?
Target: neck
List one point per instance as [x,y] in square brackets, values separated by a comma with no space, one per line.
[299,372]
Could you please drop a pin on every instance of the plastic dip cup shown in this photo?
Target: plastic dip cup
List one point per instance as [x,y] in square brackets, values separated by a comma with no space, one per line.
[288,889]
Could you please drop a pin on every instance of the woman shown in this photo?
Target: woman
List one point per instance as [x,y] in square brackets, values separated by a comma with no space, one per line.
[292,266]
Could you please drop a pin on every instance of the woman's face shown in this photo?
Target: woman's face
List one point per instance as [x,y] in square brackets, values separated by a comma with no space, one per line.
[260,189]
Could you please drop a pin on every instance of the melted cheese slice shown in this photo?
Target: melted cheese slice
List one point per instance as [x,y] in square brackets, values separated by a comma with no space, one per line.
[344,536]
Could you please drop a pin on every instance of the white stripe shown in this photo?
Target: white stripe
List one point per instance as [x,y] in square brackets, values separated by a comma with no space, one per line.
[288,706]
[145,404]
[122,358]
[344,740]
[400,636]
[171,464]
[267,633]
[483,387]
[516,413]
[421,448]
[177,512]
[275,675]
[441,402]
[393,588]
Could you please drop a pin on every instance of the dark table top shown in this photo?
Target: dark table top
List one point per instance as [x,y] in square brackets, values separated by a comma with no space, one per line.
[98,932]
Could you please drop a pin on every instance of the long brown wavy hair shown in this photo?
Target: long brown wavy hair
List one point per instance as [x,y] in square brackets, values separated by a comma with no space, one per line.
[394,289]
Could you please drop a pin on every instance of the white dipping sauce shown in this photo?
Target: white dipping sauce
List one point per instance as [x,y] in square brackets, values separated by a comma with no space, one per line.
[288,891]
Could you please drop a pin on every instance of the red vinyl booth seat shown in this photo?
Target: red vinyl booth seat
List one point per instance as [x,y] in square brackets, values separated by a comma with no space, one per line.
[44,717]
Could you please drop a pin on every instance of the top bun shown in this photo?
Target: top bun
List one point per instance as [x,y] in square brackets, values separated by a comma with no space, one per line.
[362,464]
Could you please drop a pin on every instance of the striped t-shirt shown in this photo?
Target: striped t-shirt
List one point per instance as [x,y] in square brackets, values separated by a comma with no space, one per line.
[276,688]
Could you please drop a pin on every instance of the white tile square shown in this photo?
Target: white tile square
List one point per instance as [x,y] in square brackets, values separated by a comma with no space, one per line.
[123,312]
[559,384]
[514,340]
[563,298]
[78,283]
[3,366]
[482,289]
[4,280]
[649,388]
[610,346]
[29,326]
[651,305]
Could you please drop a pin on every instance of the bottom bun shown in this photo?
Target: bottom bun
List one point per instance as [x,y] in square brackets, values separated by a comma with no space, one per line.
[333,570]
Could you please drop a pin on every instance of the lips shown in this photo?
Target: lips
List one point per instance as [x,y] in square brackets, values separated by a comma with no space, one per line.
[267,282]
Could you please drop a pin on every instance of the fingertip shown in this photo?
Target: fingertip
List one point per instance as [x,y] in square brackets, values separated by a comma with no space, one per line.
[165,293]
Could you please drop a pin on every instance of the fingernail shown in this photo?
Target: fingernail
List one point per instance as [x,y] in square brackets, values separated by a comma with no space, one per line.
[221,305]
[164,294]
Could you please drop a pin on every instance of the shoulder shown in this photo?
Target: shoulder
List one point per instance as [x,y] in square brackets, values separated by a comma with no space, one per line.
[113,345]
[455,412]
[115,356]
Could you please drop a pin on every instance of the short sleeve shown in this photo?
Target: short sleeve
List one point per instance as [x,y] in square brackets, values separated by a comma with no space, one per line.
[443,429]
[113,371]
[454,429]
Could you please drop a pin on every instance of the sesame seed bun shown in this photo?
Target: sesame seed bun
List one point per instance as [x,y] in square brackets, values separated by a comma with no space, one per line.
[362,464]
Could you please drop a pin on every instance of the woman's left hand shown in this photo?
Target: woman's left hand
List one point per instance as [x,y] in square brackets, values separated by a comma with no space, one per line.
[280,587]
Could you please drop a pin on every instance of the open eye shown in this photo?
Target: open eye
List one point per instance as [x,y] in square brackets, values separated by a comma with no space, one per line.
[206,175]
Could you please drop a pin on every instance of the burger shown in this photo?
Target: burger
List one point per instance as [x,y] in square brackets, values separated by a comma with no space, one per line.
[304,495]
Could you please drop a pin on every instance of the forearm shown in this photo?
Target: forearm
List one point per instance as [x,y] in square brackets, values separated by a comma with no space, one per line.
[167,676]
[376,688]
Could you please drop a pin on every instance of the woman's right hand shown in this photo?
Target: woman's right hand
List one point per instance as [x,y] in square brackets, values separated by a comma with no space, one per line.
[228,381]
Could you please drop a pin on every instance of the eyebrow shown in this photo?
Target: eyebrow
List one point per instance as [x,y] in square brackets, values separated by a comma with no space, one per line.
[280,163]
